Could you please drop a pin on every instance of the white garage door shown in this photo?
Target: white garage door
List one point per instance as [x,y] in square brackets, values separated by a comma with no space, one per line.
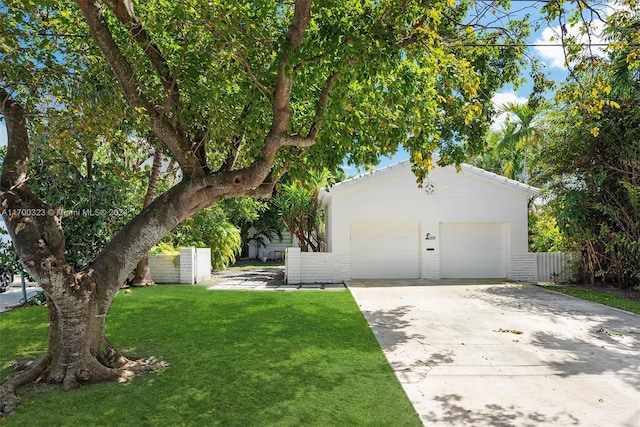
[385,251]
[473,250]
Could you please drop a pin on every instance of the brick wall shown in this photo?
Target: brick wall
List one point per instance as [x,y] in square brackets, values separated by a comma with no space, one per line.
[203,264]
[330,267]
[165,268]
[431,265]
[524,267]
[191,266]
[292,266]
[315,267]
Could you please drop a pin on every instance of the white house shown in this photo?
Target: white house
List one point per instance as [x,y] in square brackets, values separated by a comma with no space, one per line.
[271,248]
[466,224]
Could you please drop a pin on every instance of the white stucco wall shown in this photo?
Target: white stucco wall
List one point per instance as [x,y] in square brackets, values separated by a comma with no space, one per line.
[469,196]
[275,247]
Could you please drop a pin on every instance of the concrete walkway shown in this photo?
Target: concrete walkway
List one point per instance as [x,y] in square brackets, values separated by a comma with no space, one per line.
[503,354]
[267,278]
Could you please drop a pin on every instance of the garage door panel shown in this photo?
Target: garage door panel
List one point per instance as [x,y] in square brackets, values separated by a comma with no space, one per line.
[384,250]
[473,250]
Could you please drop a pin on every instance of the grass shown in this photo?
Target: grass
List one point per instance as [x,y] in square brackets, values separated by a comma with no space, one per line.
[236,359]
[599,297]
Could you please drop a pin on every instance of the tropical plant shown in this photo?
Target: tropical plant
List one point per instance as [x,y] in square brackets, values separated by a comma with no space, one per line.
[511,149]
[544,233]
[522,137]
[301,212]
[209,228]
[596,192]
[266,228]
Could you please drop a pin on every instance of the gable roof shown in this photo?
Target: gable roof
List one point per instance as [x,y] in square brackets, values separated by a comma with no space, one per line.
[479,172]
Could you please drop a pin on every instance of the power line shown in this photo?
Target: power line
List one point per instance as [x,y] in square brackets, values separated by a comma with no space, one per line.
[534,44]
[53,35]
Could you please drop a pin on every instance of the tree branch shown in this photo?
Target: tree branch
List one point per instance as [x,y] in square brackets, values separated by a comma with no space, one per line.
[120,256]
[284,82]
[178,144]
[323,101]
[265,90]
[123,10]
[265,190]
[14,167]
[234,152]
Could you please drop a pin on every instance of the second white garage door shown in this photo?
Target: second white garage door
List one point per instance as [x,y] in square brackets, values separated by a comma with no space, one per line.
[473,250]
[385,250]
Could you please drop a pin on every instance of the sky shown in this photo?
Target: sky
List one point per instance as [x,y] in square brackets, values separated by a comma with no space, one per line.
[552,57]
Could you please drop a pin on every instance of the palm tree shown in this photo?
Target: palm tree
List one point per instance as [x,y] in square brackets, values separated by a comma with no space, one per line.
[520,138]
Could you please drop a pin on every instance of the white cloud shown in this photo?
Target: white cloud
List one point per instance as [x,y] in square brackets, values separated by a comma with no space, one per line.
[501,98]
[554,56]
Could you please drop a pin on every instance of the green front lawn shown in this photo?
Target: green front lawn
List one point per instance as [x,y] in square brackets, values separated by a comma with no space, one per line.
[236,359]
[599,297]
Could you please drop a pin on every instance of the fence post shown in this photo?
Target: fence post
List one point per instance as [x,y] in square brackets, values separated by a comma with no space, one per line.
[187,265]
[292,266]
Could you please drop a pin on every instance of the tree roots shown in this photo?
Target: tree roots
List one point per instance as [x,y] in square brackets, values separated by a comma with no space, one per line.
[91,372]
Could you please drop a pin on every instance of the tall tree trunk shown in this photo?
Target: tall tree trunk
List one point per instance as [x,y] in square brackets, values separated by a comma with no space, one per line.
[143,273]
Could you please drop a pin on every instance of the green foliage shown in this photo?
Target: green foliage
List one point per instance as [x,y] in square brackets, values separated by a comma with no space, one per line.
[512,150]
[300,209]
[9,259]
[96,203]
[407,77]
[594,181]
[267,227]
[544,233]
[592,160]
[165,248]
[209,229]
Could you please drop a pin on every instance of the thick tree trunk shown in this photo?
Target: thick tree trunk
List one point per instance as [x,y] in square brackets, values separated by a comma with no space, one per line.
[78,349]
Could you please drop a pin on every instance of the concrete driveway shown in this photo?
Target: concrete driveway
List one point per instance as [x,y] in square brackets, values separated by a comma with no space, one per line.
[499,354]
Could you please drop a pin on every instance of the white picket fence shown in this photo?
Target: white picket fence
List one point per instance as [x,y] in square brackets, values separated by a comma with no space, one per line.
[557,266]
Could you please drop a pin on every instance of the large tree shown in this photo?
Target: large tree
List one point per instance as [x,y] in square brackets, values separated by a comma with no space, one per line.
[236,93]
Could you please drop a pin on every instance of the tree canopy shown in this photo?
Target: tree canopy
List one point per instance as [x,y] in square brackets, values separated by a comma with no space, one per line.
[340,80]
